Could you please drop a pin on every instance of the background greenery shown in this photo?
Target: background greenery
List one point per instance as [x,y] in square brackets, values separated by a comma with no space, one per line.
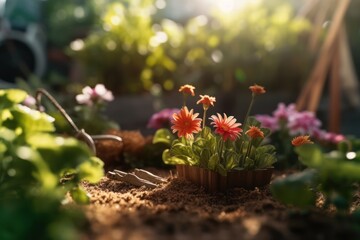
[131,45]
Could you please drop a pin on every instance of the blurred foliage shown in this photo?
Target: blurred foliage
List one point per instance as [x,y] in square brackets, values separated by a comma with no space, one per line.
[37,170]
[66,20]
[132,49]
[334,174]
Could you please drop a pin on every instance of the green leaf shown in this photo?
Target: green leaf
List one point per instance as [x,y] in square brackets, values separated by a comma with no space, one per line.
[10,97]
[266,131]
[213,161]
[249,163]
[181,149]
[221,169]
[265,160]
[206,132]
[16,95]
[91,170]
[32,120]
[265,149]
[7,134]
[265,156]
[79,195]
[163,135]
[310,155]
[340,170]
[3,148]
[344,146]
[198,146]
[4,115]
[174,160]
[231,160]
[252,121]
[296,189]
[205,157]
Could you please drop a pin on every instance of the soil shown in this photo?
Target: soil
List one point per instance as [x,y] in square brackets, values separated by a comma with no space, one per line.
[181,210]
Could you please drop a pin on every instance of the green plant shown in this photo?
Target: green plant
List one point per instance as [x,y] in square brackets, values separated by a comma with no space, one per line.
[215,49]
[221,150]
[37,170]
[334,174]
[89,111]
[72,19]
[286,123]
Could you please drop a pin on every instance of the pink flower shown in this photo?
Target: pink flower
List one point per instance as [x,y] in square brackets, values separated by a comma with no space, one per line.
[162,119]
[283,112]
[29,101]
[301,123]
[98,94]
[328,137]
[226,126]
[338,138]
[268,122]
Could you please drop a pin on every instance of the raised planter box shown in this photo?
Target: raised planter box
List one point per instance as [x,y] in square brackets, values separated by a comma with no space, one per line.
[214,182]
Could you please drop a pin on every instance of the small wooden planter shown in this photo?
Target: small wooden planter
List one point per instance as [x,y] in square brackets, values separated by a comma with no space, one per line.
[215,182]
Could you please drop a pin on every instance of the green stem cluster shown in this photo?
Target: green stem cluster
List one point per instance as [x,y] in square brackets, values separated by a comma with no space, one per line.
[248,149]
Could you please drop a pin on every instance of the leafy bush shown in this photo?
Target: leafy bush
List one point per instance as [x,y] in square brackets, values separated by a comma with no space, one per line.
[37,170]
[335,175]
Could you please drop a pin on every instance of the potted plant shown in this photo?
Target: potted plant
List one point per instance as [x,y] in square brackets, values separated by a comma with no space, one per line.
[226,157]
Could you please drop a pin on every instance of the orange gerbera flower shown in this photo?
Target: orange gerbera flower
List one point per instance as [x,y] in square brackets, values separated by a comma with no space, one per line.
[207,101]
[185,123]
[187,89]
[301,140]
[226,126]
[254,132]
[257,89]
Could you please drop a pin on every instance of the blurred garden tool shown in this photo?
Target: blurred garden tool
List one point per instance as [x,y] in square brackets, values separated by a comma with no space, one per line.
[139,178]
[80,134]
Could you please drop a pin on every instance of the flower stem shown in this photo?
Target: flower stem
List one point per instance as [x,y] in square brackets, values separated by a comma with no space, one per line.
[204,118]
[184,99]
[248,150]
[221,149]
[248,111]
[245,120]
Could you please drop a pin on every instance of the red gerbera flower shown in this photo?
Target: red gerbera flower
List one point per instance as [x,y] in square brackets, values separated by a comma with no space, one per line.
[226,126]
[185,123]
[301,140]
[187,89]
[257,89]
[207,101]
[254,132]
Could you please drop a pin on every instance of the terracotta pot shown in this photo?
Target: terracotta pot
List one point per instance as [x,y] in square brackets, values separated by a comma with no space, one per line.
[214,182]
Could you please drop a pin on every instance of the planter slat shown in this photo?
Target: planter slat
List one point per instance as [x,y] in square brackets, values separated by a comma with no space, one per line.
[214,182]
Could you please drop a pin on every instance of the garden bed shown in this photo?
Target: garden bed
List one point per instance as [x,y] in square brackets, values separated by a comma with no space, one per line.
[181,210]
